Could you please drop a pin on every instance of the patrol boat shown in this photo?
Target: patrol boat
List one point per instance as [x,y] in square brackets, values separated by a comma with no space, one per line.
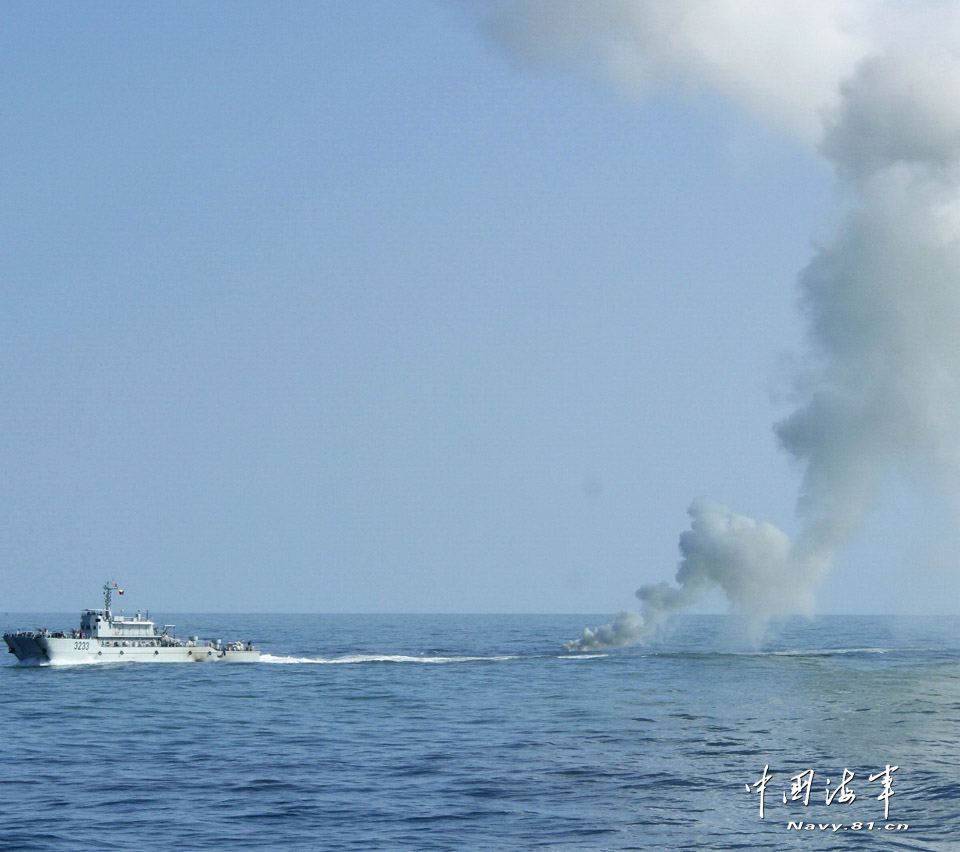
[107,638]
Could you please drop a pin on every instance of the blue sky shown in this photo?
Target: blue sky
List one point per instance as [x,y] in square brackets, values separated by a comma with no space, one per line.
[333,307]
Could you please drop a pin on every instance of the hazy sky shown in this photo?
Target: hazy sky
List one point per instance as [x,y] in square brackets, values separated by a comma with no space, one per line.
[340,307]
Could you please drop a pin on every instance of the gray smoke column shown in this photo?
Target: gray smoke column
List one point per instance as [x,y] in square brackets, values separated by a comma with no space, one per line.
[760,571]
[876,87]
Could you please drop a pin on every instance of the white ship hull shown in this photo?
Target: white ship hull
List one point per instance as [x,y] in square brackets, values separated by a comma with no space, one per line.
[46,650]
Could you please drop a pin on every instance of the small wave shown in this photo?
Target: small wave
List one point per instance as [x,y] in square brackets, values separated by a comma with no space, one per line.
[792,652]
[581,656]
[829,652]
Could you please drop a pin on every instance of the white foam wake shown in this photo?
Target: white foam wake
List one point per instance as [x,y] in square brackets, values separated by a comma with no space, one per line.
[383,658]
[33,663]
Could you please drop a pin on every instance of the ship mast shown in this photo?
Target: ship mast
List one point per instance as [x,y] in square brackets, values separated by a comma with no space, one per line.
[108,588]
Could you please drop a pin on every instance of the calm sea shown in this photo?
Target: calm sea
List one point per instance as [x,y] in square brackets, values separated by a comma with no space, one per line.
[479,733]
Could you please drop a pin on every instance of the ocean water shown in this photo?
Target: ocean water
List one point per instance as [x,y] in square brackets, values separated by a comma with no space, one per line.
[479,733]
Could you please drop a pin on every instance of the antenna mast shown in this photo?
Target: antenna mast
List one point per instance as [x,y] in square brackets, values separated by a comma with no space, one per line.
[108,588]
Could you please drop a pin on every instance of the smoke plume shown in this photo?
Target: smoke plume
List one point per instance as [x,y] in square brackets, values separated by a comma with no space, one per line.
[875,86]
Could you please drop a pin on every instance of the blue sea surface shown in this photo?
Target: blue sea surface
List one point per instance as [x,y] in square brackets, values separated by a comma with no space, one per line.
[478,732]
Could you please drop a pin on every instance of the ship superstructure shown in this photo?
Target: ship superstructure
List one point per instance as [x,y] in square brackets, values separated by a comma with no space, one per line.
[104,637]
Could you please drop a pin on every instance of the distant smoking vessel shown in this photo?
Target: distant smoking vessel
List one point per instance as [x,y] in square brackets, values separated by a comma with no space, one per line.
[107,638]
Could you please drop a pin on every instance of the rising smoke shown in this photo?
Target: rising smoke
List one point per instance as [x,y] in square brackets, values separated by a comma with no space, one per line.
[875,86]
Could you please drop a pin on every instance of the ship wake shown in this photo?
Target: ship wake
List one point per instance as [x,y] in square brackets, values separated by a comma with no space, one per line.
[434,659]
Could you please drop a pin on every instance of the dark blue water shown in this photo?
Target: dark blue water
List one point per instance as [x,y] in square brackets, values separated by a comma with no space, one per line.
[478,733]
